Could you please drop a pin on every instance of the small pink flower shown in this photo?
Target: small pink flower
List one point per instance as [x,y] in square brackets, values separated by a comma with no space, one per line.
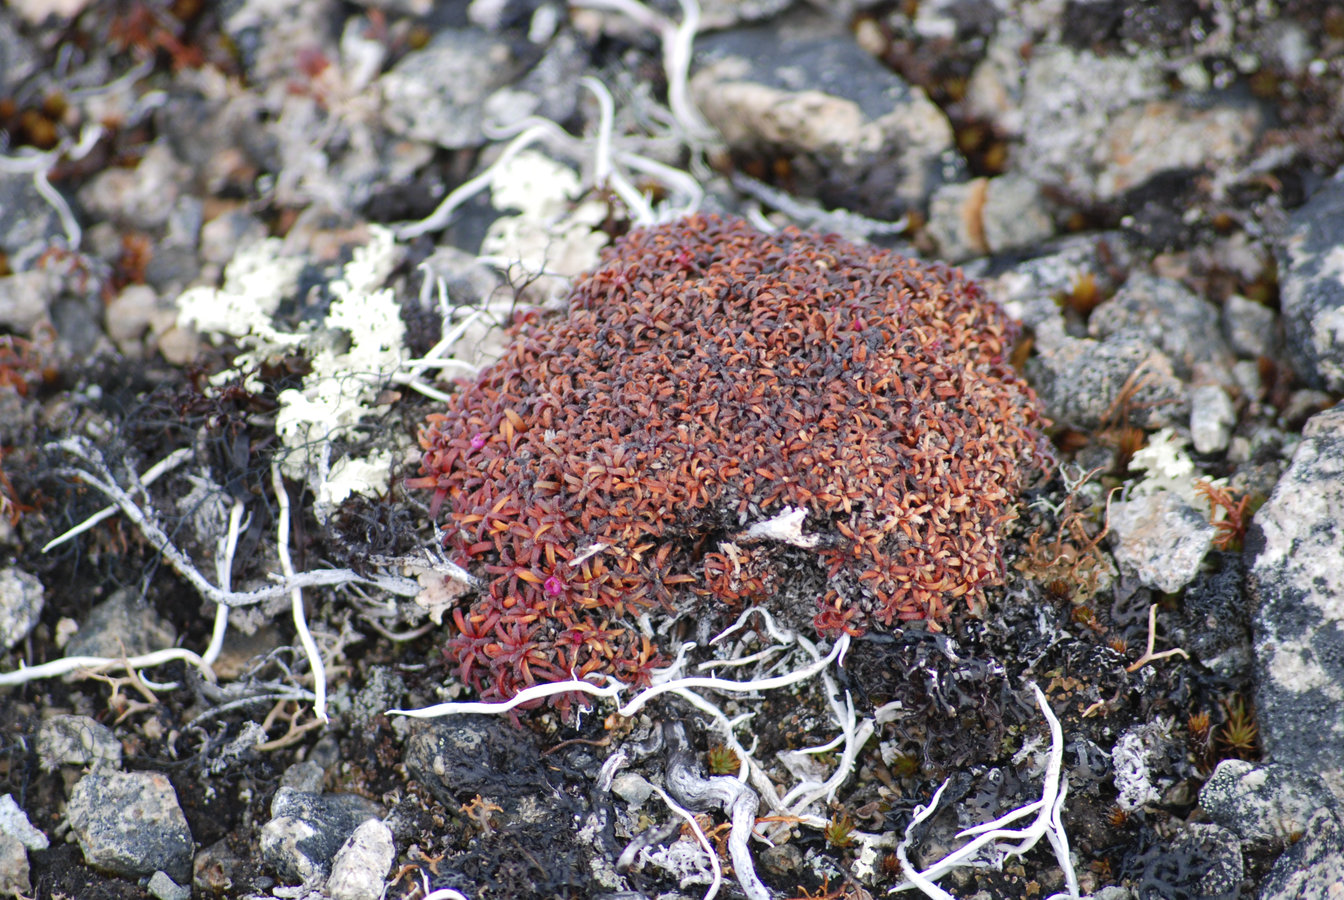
[477,441]
[554,586]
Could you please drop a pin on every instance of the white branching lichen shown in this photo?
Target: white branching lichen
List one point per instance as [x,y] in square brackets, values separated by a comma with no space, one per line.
[353,353]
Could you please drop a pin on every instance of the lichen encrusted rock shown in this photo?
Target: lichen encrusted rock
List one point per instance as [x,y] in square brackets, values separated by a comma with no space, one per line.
[1297,584]
[708,378]
[1312,287]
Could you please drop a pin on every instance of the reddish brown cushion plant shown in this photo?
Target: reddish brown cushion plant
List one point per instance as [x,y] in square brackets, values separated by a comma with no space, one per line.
[705,377]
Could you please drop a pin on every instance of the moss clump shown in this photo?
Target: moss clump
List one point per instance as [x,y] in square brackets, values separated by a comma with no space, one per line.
[705,377]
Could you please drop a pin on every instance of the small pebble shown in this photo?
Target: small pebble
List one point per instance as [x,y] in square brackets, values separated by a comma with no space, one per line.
[361,865]
[21,600]
[164,888]
[130,823]
[77,741]
[14,822]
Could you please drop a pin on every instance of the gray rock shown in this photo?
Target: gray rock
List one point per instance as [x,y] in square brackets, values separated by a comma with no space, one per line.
[222,140]
[28,223]
[988,215]
[130,823]
[1160,539]
[1311,286]
[26,297]
[142,197]
[1015,214]
[129,313]
[1297,583]
[855,133]
[14,822]
[438,94]
[65,740]
[13,868]
[265,36]
[1030,289]
[956,221]
[1212,417]
[305,776]
[78,319]
[1250,328]
[1081,381]
[550,88]
[225,234]
[307,829]
[1312,867]
[1267,805]
[1167,315]
[361,865]
[399,7]
[727,13]
[632,787]
[19,58]
[1099,126]
[122,625]
[21,600]
[164,888]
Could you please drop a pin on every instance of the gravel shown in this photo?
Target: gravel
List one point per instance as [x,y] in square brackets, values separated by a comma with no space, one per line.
[1156,191]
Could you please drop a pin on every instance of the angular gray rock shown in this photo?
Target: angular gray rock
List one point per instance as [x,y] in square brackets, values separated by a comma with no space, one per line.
[1297,582]
[1098,126]
[988,215]
[161,887]
[65,740]
[1270,806]
[130,823]
[1169,316]
[19,57]
[869,141]
[1251,328]
[21,600]
[17,837]
[1029,289]
[13,868]
[1312,867]
[1311,286]
[1081,380]
[438,94]
[123,624]
[1212,417]
[1219,848]
[1160,539]
[361,865]
[307,829]
[142,197]
[14,822]
[29,222]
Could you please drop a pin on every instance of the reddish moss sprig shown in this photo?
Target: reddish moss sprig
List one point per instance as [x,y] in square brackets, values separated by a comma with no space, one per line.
[706,376]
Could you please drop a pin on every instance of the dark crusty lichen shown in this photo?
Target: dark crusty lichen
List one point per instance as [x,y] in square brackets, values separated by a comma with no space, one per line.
[705,377]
